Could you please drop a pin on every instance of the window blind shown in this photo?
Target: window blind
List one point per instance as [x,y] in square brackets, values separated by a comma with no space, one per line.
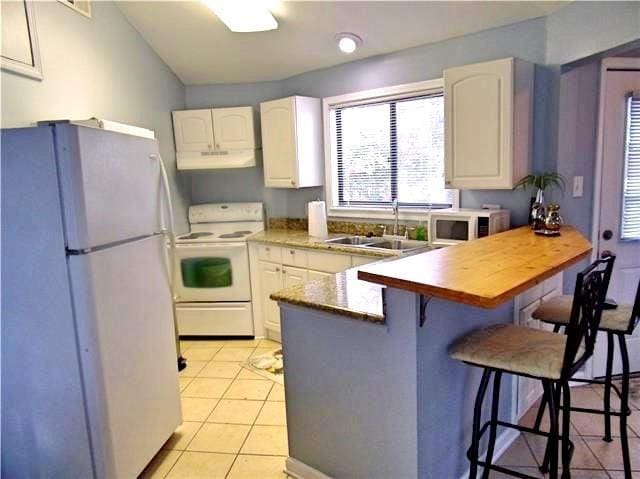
[392,149]
[630,224]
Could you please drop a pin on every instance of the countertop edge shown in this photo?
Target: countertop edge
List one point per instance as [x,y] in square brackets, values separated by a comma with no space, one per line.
[466,298]
[324,247]
[472,299]
[344,312]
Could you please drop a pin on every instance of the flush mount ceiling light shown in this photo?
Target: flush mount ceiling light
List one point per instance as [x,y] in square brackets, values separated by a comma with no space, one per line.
[348,42]
[243,15]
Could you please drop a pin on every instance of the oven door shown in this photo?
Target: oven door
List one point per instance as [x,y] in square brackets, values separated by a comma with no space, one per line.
[212,272]
[447,230]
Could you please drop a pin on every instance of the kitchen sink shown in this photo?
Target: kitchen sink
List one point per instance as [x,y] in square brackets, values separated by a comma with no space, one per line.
[354,240]
[402,245]
[381,243]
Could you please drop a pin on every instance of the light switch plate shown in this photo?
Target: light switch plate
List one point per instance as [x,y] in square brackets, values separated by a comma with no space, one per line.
[578,183]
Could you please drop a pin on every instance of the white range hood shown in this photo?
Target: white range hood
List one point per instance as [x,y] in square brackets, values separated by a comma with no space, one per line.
[210,160]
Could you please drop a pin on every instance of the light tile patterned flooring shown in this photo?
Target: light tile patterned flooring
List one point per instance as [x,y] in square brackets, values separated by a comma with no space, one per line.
[234,420]
[235,424]
[593,458]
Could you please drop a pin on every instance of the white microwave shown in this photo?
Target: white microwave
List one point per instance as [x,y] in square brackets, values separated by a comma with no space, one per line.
[457,225]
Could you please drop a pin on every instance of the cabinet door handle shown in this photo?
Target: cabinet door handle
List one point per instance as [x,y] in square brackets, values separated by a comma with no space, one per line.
[277,270]
[291,251]
[293,182]
[267,249]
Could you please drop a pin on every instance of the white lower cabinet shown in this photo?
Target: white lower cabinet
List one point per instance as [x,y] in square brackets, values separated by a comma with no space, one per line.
[270,281]
[528,390]
[313,275]
[293,276]
[277,267]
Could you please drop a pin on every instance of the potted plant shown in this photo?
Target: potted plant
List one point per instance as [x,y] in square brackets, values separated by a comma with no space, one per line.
[542,181]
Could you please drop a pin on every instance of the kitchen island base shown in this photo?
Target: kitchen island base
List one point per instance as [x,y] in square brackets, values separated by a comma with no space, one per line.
[384,400]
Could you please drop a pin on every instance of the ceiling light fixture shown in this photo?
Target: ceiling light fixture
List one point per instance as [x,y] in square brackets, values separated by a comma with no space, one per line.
[348,42]
[243,15]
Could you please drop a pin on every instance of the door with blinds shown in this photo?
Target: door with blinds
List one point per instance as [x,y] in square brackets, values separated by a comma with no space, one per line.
[619,230]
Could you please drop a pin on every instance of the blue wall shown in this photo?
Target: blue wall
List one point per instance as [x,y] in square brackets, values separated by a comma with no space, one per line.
[571,33]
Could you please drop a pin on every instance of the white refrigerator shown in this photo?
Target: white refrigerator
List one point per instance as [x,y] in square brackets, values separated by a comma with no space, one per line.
[89,374]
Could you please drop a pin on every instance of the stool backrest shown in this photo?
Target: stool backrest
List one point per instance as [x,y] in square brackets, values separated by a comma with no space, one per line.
[635,312]
[591,289]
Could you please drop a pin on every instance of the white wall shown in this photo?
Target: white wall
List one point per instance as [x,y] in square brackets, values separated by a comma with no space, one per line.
[101,67]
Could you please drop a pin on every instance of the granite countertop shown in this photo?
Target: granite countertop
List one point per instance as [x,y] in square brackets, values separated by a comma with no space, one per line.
[484,272]
[342,293]
[301,239]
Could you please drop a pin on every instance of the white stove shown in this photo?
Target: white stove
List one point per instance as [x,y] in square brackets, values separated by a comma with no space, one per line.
[212,289]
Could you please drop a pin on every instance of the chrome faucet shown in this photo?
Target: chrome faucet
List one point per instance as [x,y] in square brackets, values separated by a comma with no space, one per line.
[394,206]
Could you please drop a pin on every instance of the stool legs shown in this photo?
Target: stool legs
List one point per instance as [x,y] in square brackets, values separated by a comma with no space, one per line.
[495,406]
[474,452]
[553,395]
[566,430]
[540,415]
[624,406]
[607,389]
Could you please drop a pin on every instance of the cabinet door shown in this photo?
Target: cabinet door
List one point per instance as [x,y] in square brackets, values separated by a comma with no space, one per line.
[529,390]
[270,282]
[360,260]
[328,262]
[293,276]
[233,128]
[479,125]
[313,275]
[193,130]
[279,142]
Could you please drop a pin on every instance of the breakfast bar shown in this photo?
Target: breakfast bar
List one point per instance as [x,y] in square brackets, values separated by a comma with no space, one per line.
[371,390]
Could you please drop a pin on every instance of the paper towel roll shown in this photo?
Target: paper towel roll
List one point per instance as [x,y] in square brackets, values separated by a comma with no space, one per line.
[318,220]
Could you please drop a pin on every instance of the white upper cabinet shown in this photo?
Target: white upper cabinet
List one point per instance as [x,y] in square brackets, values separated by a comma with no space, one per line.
[488,124]
[193,130]
[215,138]
[233,128]
[292,142]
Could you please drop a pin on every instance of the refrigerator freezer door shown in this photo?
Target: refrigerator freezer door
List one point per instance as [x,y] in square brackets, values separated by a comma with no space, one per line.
[44,428]
[111,186]
[128,352]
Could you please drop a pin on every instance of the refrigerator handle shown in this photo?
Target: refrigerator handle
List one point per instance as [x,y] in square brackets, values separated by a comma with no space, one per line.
[169,230]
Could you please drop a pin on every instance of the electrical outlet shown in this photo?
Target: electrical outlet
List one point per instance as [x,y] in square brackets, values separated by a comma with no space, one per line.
[578,182]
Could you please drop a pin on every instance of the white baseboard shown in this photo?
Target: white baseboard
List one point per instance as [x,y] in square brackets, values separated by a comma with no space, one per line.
[299,470]
[503,442]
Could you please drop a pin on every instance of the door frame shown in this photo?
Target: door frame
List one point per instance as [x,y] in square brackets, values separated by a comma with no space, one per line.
[614,63]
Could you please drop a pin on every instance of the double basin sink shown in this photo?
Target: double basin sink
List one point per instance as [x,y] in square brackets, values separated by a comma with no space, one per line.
[403,245]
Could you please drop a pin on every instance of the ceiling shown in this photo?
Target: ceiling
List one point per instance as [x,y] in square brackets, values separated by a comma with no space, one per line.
[201,50]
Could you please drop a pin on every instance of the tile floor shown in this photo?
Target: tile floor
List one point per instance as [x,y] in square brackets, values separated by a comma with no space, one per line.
[593,458]
[234,420]
[235,424]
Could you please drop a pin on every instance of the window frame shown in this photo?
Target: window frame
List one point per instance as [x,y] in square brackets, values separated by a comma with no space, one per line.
[396,92]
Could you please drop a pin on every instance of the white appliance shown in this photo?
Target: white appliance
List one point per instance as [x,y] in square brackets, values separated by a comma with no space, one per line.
[88,345]
[212,288]
[456,225]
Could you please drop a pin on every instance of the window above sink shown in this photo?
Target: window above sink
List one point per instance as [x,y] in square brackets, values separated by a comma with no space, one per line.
[386,144]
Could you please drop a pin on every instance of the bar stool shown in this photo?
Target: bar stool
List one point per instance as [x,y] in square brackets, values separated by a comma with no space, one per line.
[549,357]
[616,323]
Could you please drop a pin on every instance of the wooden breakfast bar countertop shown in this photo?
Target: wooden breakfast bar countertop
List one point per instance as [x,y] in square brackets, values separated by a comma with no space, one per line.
[485,272]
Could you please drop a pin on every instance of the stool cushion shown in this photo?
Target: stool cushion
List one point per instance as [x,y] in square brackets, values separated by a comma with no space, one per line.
[515,349]
[557,310]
